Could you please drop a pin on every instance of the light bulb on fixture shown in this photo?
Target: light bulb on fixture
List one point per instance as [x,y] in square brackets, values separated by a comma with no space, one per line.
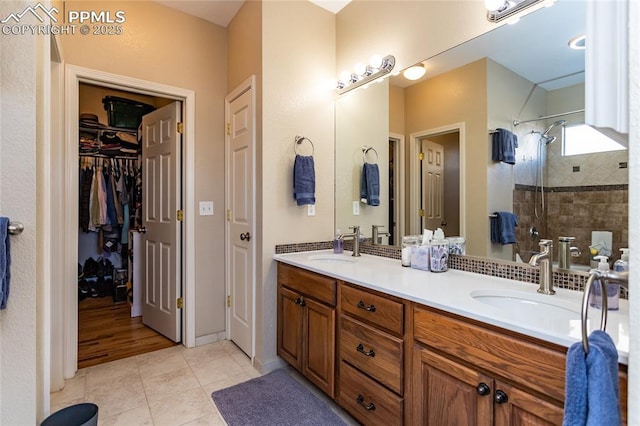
[360,68]
[375,61]
[494,4]
[414,72]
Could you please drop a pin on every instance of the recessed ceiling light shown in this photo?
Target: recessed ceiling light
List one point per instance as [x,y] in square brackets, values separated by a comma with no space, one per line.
[414,72]
[578,42]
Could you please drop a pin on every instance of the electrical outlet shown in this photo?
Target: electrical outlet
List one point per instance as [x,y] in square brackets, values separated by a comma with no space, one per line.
[206,208]
[311,209]
[356,208]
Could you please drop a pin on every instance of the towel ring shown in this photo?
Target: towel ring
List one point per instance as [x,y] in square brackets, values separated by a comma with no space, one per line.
[366,149]
[585,308]
[298,140]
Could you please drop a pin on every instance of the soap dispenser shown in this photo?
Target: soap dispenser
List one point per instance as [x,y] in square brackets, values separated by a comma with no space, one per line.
[613,290]
[622,264]
[338,248]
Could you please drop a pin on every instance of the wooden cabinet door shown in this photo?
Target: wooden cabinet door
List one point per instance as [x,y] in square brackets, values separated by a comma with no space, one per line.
[447,393]
[514,407]
[290,327]
[319,342]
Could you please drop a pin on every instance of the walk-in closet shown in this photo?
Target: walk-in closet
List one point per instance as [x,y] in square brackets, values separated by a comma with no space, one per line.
[110,206]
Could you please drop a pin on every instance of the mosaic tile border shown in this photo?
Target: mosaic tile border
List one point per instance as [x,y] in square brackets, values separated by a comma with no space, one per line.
[569,280]
[584,188]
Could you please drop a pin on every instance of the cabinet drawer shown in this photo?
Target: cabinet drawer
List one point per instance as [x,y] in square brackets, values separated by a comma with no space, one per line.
[366,400]
[374,352]
[371,308]
[308,283]
[525,362]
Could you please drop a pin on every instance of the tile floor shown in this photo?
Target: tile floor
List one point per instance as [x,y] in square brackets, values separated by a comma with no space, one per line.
[168,387]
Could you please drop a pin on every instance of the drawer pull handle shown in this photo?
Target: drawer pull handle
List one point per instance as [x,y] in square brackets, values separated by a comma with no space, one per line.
[370,308]
[300,301]
[370,352]
[483,389]
[500,397]
[369,407]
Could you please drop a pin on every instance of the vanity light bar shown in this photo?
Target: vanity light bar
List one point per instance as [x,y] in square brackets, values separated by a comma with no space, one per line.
[509,8]
[370,73]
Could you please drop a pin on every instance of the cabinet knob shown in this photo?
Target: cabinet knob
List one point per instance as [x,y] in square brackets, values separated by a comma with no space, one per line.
[370,308]
[370,352]
[500,397]
[369,407]
[483,389]
[300,301]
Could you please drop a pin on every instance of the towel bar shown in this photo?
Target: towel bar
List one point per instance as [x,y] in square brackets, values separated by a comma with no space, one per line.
[585,308]
[298,140]
[15,228]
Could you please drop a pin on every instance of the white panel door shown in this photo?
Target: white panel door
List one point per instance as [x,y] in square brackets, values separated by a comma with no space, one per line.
[432,185]
[240,205]
[161,156]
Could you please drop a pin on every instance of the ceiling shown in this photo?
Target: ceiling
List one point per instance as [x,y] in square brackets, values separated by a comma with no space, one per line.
[221,12]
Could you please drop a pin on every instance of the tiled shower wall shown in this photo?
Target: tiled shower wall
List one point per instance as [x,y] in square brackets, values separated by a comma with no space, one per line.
[573,212]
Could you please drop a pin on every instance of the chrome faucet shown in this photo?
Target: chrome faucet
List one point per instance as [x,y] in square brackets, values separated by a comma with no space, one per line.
[566,252]
[376,235]
[355,236]
[544,260]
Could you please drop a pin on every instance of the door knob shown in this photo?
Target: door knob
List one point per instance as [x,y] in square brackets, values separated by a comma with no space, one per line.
[245,236]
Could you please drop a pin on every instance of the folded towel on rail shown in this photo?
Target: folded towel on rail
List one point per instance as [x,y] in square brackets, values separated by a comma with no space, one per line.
[304,180]
[504,144]
[370,184]
[5,261]
[591,385]
[503,228]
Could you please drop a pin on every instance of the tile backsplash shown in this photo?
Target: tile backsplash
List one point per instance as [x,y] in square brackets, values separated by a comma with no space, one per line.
[571,280]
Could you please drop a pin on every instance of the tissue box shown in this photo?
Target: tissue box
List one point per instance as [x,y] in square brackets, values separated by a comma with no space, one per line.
[420,257]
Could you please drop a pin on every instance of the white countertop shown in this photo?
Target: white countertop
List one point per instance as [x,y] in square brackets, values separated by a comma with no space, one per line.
[452,291]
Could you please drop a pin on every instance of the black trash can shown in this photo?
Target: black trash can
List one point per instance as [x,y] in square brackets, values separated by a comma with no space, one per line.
[85,414]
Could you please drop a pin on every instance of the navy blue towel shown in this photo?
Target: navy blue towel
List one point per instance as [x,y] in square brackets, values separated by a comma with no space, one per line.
[370,185]
[5,262]
[504,144]
[503,228]
[591,385]
[304,180]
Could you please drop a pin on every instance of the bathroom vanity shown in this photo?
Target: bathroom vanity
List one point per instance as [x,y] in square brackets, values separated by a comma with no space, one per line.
[394,345]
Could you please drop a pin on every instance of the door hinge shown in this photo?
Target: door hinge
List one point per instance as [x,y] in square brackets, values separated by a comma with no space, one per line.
[179,303]
[228,215]
[179,215]
[421,156]
[229,129]
[180,127]
[228,301]
[421,213]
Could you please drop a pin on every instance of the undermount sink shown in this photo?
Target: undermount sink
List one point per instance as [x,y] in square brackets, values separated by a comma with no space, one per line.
[331,258]
[526,306]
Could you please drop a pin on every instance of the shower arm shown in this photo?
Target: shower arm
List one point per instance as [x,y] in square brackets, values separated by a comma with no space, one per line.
[517,122]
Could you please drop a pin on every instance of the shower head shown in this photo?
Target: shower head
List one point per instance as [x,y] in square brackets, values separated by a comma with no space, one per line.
[554,124]
[548,139]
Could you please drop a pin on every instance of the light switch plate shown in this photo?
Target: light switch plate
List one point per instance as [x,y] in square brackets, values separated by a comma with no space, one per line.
[206,208]
[356,208]
[311,209]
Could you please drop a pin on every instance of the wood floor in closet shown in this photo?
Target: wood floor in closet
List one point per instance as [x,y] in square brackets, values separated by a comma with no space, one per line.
[107,332]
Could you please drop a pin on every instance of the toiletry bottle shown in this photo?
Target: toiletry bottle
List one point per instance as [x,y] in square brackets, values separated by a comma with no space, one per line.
[337,243]
[622,264]
[613,290]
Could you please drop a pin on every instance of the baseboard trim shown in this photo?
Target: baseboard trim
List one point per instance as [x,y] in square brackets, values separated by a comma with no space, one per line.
[211,338]
[268,366]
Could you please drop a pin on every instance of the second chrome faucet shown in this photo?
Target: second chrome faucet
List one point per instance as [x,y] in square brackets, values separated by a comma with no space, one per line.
[544,260]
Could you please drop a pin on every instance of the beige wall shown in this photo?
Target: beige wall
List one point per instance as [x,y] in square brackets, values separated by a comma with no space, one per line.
[456,97]
[298,41]
[179,50]
[396,110]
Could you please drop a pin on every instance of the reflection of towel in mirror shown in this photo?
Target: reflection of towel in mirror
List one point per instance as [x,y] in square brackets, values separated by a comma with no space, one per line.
[591,383]
[304,180]
[5,261]
[504,144]
[370,185]
[503,228]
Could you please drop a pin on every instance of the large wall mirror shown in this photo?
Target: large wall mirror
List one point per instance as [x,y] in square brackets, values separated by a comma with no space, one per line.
[432,140]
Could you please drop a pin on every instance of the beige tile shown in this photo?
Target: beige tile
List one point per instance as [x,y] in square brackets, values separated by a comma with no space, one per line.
[210,420]
[226,383]
[112,374]
[156,364]
[139,416]
[215,370]
[181,408]
[74,389]
[116,399]
[206,353]
[55,405]
[163,385]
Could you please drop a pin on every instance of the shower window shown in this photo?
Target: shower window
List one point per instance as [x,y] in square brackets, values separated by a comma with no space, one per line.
[584,139]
